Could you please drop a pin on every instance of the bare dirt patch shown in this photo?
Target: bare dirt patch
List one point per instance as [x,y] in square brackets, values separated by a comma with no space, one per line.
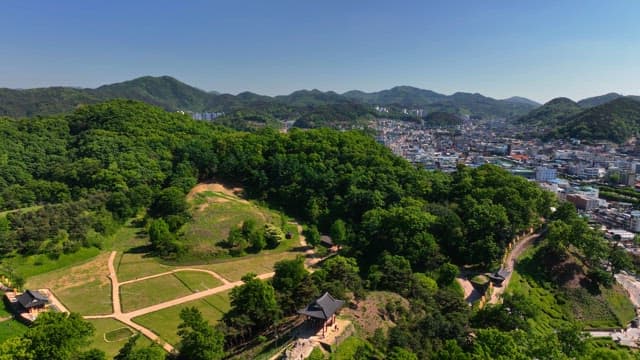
[215,187]
[94,271]
[372,313]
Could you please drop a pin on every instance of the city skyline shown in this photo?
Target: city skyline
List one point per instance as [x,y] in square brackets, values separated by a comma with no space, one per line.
[540,51]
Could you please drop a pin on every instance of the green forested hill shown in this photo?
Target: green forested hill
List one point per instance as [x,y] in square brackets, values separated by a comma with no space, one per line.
[551,114]
[441,119]
[614,121]
[598,118]
[165,92]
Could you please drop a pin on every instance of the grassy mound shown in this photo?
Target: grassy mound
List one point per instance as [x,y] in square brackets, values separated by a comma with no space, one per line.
[215,211]
[118,334]
[559,288]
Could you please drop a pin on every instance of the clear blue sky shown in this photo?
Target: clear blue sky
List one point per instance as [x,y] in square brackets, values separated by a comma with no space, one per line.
[541,49]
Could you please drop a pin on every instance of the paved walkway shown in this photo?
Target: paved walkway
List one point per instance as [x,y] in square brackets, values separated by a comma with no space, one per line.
[509,265]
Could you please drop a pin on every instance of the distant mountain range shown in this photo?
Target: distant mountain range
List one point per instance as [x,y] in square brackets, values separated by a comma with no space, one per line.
[459,103]
[173,95]
[313,108]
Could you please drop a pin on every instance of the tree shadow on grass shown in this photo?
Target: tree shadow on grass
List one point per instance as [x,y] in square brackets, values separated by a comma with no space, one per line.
[142,249]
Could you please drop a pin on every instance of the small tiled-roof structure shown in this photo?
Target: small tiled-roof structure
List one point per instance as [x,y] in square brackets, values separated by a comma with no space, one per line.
[323,308]
[32,299]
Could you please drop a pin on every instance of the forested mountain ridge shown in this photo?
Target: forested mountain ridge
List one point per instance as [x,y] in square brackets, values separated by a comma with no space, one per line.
[459,103]
[598,100]
[173,95]
[551,113]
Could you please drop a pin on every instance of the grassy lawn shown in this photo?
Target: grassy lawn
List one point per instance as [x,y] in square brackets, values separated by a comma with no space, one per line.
[233,269]
[83,288]
[131,266]
[197,281]
[149,292]
[127,237]
[145,293]
[348,348]
[11,328]
[165,322]
[28,266]
[109,326]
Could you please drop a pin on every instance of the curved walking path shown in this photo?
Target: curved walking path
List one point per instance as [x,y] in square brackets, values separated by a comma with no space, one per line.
[510,263]
[214,274]
[127,318]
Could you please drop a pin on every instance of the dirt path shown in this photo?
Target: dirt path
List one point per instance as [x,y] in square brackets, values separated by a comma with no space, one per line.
[127,318]
[234,192]
[310,252]
[509,265]
[214,274]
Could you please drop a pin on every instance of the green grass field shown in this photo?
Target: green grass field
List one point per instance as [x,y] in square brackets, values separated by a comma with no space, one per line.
[131,266]
[234,269]
[108,326]
[11,328]
[127,237]
[83,288]
[165,322]
[197,281]
[152,291]
[163,288]
[28,266]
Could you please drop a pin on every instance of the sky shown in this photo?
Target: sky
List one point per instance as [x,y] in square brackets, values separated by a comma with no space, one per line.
[537,49]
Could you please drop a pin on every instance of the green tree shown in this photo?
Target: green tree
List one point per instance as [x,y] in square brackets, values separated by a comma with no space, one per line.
[16,348]
[253,305]
[338,275]
[198,339]
[619,259]
[57,335]
[170,201]
[254,235]
[393,273]
[447,273]
[93,354]
[273,235]
[312,235]
[131,352]
[289,280]
[338,232]
[162,240]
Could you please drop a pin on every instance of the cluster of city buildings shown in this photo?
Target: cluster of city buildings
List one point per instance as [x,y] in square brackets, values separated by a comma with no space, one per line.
[571,169]
[204,116]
